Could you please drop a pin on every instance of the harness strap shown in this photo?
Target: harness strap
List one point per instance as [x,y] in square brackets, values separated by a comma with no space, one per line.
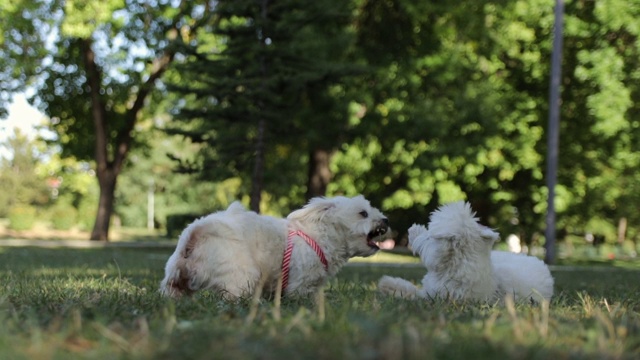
[286,259]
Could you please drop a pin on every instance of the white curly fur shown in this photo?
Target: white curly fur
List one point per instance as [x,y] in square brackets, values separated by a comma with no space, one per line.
[235,250]
[456,250]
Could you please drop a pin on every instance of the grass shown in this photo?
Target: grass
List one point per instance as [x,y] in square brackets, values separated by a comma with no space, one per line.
[42,230]
[103,304]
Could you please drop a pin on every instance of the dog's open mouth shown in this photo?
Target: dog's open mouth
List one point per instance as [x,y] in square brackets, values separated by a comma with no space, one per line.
[375,236]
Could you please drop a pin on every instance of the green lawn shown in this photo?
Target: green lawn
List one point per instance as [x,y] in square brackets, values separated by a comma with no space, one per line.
[103,304]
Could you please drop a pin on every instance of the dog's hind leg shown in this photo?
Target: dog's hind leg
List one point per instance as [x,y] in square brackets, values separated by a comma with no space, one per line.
[397,287]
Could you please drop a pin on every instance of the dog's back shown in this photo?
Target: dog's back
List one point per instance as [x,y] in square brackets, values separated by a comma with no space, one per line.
[522,276]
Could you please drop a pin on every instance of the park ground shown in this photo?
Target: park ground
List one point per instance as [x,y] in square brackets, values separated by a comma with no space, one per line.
[101,302]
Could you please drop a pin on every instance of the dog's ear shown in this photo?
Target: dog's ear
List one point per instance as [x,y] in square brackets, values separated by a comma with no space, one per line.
[316,209]
[415,230]
[419,237]
[444,237]
[418,242]
[488,235]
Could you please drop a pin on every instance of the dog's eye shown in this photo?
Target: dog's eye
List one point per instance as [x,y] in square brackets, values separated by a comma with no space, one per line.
[364,214]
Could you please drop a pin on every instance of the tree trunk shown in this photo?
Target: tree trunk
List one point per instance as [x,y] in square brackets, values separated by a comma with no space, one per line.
[622,230]
[257,177]
[107,180]
[108,167]
[319,173]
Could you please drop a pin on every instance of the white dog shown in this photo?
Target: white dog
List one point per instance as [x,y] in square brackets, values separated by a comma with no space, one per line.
[456,251]
[235,251]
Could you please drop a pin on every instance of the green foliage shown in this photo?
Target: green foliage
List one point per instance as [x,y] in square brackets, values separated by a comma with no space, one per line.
[600,227]
[20,44]
[20,180]
[87,208]
[464,116]
[85,17]
[63,216]
[103,303]
[178,222]
[264,90]
[112,27]
[22,217]
[89,81]
[414,104]
[456,119]
[150,172]
[74,180]
[600,113]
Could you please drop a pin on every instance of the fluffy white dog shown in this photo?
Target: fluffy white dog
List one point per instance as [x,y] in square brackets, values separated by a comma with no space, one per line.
[456,251]
[235,251]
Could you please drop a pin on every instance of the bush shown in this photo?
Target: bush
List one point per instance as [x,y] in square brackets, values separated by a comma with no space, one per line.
[63,216]
[22,217]
[87,210]
[177,222]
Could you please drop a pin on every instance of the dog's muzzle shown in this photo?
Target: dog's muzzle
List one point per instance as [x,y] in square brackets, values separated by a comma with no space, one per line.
[377,233]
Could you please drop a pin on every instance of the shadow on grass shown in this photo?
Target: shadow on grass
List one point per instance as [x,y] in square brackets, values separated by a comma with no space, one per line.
[29,259]
[42,232]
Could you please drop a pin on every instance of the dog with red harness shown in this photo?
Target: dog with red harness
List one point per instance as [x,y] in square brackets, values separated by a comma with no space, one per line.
[237,251]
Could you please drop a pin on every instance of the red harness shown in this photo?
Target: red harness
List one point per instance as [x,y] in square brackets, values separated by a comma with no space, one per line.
[286,259]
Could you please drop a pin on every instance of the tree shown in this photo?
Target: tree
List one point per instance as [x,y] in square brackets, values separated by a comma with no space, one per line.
[262,91]
[19,178]
[21,33]
[410,103]
[457,109]
[106,59]
[599,155]
[150,172]
[449,113]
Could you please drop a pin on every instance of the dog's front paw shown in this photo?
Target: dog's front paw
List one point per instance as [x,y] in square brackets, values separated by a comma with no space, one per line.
[397,287]
[416,230]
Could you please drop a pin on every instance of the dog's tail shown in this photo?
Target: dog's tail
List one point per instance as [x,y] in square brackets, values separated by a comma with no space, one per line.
[397,287]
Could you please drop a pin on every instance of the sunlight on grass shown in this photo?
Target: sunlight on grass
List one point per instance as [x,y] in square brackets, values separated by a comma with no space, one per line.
[387,257]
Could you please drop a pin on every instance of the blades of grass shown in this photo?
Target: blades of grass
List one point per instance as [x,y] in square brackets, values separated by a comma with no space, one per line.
[112,336]
[489,324]
[587,303]
[320,304]
[298,321]
[543,323]
[76,321]
[511,309]
[606,304]
[277,301]
[255,300]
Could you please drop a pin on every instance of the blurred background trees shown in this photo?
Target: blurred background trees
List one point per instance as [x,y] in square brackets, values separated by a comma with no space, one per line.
[94,65]
[22,188]
[410,103]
